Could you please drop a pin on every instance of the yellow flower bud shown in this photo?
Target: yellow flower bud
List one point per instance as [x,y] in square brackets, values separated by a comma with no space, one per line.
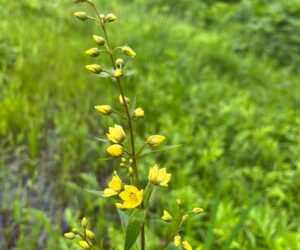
[186,245]
[185,217]
[99,40]
[95,68]
[178,202]
[84,222]
[155,140]
[122,165]
[139,113]
[130,170]
[118,73]
[159,177]
[177,240]
[198,210]
[126,99]
[104,109]
[116,134]
[81,15]
[89,234]
[93,52]
[128,51]
[110,17]
[166,216]
[69,235]
[84,244]
[120,62]
[123,159]
[115,150]
[75,230]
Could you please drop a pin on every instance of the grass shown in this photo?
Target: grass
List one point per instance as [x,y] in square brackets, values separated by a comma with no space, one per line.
[211,87]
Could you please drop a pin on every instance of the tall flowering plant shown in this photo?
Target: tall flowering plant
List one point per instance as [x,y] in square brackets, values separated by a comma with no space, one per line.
[130,196]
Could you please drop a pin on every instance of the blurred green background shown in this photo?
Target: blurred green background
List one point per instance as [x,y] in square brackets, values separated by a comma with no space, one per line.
[219,77]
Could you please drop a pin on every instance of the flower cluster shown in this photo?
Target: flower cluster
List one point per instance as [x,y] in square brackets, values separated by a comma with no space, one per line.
[85,237]
[129,194]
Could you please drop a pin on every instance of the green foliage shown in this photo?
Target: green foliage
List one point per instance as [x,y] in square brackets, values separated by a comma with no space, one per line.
[227,89]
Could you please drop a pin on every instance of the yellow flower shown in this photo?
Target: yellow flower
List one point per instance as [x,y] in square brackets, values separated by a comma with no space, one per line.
[155,140]
[115,186]
[99,40]
[177,240]
[115,150]
[110,17]
[95,68]
[126,99]
[89,234]
[104,109]
[178,202]
[198,210]
[131,196]
[128,51]
[69,235]
[186,245]
[84,244]
[185,217]
[116,134]
[166,216]
[139,113]
[84,222]
[118,73]
[93,52]
[120,62]
[159,177]
[81,15]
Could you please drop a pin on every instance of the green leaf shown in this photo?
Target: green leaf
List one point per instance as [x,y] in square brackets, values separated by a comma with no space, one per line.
[161,149]
[148,192]
[135,223]
[124,218]
[102,140]
[95,192]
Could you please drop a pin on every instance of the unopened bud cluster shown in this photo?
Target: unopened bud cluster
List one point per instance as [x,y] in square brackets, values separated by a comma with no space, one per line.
[84,236]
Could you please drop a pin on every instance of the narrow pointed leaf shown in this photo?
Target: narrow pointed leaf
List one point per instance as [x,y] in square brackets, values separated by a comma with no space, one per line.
[135,223]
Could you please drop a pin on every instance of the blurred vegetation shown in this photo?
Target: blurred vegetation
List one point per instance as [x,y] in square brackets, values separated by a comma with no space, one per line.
[222,78]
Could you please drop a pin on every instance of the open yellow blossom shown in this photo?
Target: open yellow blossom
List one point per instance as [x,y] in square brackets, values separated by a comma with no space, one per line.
[114,186]
[95,68]
[84,244]
[177,240]
[116,134]
[155,140]
[104,109]
[186,245]
[115,150]
[139,113]
[159,177]
[166,216]
[131,196]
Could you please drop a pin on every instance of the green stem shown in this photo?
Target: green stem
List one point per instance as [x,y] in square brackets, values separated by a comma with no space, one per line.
[129,118]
